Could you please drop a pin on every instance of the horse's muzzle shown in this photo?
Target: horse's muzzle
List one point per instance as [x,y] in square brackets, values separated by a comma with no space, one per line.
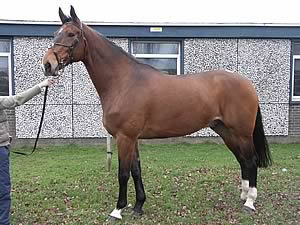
[47,68]
[50,69]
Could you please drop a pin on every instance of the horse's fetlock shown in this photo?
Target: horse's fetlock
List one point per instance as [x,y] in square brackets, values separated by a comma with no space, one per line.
[141,198]
[121,204]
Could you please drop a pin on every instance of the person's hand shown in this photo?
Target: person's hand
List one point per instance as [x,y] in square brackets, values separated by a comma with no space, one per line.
[47,82]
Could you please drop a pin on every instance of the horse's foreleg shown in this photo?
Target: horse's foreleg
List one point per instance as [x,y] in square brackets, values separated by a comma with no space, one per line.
[138,183]
[126,150]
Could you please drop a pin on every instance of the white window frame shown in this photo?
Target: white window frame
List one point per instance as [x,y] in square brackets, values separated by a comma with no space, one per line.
[8,55]
[160,56]
[294,98]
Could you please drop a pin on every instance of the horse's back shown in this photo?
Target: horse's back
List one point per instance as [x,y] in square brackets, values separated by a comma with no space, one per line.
[213,86]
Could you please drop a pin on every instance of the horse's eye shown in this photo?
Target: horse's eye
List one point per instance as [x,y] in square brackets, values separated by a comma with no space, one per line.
[71,34]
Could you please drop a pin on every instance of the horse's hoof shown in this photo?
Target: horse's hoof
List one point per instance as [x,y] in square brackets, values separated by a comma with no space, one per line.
[242,201]
[112,220]
[248,210]
[137,213]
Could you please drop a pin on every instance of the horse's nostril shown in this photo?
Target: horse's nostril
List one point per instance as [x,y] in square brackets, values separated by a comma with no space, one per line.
[47,67]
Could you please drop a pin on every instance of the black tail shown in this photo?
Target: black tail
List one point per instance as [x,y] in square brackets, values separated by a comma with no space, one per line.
[260,143]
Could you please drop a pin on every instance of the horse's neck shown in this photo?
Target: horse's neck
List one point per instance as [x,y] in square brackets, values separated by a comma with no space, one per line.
[107,66]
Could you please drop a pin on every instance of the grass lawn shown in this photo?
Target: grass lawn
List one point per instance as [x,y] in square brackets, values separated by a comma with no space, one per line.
[184,184]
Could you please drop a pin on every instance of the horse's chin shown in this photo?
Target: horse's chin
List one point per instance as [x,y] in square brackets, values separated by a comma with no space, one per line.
[54,73]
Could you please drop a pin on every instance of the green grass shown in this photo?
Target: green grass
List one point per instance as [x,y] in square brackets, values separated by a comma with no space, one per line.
[184,184]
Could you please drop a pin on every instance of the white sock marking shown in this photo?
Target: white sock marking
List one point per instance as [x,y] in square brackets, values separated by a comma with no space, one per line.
[116,213]
[252,194]
[245,189]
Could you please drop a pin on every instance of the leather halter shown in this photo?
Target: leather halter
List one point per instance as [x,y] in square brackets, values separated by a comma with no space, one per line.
[63,63]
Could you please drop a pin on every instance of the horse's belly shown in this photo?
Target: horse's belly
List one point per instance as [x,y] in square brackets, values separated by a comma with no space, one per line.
[171,129]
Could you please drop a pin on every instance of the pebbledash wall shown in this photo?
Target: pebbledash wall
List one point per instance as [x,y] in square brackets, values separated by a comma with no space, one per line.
[74,112]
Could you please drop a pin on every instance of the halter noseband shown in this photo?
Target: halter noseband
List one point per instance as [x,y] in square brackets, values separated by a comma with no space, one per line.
[63,63]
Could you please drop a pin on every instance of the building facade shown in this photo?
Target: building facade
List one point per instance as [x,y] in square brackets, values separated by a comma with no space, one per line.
[269,55]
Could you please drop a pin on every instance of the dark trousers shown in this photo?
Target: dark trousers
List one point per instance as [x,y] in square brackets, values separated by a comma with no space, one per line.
[4,186]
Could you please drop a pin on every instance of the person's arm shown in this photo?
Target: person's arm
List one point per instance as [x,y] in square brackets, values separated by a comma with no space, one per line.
[19,99]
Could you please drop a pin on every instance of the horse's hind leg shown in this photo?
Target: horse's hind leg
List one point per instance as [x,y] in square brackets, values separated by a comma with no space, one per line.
[138,183]
[229,140]
[246,156]
[244,151]
[250,162]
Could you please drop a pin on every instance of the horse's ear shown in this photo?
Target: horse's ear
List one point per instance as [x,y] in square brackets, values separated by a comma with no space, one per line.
[62,16]
[74,16]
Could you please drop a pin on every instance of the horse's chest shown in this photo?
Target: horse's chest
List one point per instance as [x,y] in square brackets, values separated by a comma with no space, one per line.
[124,121]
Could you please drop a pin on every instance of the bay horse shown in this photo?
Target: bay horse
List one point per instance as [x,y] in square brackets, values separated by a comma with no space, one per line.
[140,102]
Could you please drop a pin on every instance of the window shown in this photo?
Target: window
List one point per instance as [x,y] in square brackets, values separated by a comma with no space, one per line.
[296,78]
[296,71]
[5,67]
[162,55]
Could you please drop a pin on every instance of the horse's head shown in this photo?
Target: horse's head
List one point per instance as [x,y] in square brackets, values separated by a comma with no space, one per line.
[69,44]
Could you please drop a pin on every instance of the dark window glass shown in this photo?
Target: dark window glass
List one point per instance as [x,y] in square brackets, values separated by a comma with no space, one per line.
[154,48]
[3,76]
[297,77]
[168,66]
[296,48]
[4,67]
[4,46]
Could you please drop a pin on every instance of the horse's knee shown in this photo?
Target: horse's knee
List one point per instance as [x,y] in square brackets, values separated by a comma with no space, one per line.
[136,172]
[123,177]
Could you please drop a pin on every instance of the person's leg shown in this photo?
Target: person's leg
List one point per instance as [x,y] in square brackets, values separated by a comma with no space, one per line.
[4,186]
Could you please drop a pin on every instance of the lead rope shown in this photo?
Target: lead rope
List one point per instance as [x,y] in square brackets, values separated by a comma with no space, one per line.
[40,127]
